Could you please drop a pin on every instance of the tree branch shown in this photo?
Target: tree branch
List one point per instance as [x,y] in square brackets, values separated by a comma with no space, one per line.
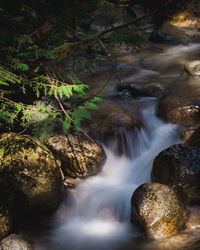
[62,51]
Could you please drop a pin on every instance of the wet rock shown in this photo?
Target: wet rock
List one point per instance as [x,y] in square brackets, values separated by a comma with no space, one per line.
[158,210]
[193,67]
[181,241]
[179,167]
[185,111]
[80,155]
[29,172]
[194,137]
[161,37]
[111,122]
[187,133]
[149,89]
[15,242]
[193,223]
[5,222]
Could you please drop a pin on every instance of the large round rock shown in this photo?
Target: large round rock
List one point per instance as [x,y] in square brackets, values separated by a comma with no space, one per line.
[80,155]
[29,170]
[15,242]
[179,167]
[158,210]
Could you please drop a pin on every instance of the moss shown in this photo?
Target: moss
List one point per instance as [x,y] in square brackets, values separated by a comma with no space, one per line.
[64,50]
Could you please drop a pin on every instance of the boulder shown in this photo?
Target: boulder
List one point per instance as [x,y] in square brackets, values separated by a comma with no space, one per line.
[179,167]
[5,222]
[158,210]
[110,123]
[194,137]
[15,242]
[193,67]
[180,110]
[80,156]
[28,171]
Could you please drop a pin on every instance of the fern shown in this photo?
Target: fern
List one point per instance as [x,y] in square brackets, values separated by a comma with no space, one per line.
[7,76]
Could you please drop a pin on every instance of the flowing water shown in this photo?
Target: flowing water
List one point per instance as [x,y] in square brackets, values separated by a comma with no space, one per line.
[96,214]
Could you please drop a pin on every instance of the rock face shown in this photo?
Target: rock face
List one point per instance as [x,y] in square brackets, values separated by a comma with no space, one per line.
[180,111]
[193,68]
[80,156]
[15,242]
[179,167]
[158,210]
[29,170]
[5,222]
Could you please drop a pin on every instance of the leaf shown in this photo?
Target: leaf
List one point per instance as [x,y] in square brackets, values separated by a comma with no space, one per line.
[22,66]
[91,105]
[97,99]
[4,83]
[66,125]
[33,14]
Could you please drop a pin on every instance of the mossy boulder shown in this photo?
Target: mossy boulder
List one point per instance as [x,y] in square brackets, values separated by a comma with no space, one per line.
[79,155]
[179,167]
[5,222]
[158,210]
[15,242]
[29,170]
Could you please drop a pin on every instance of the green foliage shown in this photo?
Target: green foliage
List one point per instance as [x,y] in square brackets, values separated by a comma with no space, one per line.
[26,70]
[31,38]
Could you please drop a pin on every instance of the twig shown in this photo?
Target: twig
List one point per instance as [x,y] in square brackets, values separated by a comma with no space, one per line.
[60,52]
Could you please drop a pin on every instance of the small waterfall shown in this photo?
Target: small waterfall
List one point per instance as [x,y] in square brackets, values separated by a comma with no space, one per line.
[96,214]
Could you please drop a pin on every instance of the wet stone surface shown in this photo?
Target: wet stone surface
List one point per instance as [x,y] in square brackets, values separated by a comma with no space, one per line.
[179,167]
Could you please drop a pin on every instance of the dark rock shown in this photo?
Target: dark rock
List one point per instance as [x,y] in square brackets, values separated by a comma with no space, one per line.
[5,222]
[28,170]
[149,89]
[80,155]
[161,37]
[15,242]
[187,133]
[179,167]
[194,138]
[158,210]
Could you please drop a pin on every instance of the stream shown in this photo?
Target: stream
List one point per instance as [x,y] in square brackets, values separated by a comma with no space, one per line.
[96,214]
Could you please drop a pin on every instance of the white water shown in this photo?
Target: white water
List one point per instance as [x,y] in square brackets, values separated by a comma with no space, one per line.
[97,213]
